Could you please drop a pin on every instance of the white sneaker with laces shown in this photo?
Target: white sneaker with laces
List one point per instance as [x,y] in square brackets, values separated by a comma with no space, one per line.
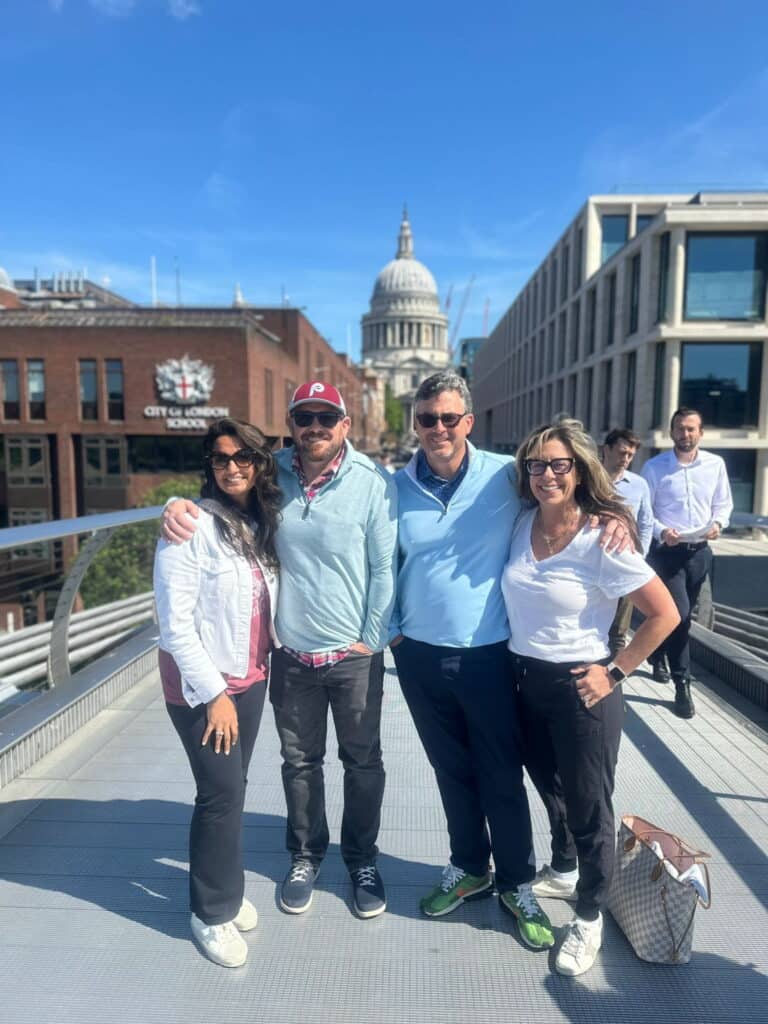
[554,886]
[247,917]
[221,943]
[580,946]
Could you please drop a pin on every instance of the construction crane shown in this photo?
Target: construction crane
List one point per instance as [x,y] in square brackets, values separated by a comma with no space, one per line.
[460,316]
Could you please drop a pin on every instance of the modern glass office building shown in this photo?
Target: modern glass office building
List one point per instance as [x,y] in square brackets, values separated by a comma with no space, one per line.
[646,303]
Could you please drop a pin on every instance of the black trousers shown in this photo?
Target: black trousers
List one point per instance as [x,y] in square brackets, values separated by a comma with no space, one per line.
[684,570]
[300,697]
[216,879]
[571,752]
[465,712]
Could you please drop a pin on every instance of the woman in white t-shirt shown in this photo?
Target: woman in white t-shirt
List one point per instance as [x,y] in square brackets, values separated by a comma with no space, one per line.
[561,589]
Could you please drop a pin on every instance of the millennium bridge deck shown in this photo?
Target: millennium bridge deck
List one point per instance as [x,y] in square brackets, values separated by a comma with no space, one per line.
[93,887]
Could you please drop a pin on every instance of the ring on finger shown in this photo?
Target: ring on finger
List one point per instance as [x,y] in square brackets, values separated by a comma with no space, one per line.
[219,732]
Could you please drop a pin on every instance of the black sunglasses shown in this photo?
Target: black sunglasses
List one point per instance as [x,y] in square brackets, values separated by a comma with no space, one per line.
[536,467]
[325,419]
[448,419]
[242,458]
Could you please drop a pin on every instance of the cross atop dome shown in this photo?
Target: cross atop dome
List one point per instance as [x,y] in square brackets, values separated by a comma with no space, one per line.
[405,238]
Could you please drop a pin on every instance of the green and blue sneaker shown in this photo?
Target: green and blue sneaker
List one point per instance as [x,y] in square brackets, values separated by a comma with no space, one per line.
[455,887]
[532,923]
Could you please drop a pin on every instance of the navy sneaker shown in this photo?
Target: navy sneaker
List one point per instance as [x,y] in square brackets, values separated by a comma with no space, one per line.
[370,898]
[296,892]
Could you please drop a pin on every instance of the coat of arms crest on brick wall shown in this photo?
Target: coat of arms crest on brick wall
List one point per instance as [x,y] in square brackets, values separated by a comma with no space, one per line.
[186,381]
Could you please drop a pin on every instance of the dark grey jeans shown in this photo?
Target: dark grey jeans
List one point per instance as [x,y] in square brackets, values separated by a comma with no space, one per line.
[300,698]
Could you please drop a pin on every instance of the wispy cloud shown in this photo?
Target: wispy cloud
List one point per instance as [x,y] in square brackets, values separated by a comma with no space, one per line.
[722,146]
[56,6]
[183,9]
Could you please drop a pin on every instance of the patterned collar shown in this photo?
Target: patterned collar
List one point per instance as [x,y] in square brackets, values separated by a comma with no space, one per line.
[442,489]
[311,487]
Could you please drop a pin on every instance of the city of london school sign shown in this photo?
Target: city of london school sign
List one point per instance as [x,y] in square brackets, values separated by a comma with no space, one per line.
[185,384]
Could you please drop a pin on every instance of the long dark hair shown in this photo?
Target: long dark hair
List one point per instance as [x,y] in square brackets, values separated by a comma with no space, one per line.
[249,531]
[595,494]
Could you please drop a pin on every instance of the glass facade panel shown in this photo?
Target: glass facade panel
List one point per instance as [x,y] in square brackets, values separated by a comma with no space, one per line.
[588,397]
[9,370]
[740,463]
[629,397]
[661,310]
[610,310]
[579,261]
[165,454]
[725,276]
[722,382]
[564,271]
[115,390]
[634,293]
[89,401]
[36,388]
[607,389]
[575,312]
[591,317]
[658,382]
[615,233]
[642,221]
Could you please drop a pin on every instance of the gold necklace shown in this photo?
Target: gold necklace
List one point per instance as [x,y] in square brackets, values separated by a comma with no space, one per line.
[568,532]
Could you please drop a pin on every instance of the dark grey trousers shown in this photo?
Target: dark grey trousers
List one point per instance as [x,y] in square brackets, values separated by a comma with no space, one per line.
[301,697]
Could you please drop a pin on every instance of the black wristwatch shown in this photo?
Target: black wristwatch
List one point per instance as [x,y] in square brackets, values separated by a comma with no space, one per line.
[617,675]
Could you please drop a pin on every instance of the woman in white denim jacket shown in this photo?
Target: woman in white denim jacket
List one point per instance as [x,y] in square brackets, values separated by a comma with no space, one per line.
[216,598]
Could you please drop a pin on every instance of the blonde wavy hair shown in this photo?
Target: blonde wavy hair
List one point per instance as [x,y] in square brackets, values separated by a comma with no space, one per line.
[595,494]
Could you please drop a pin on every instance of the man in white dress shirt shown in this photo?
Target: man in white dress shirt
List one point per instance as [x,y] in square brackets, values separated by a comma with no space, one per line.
[692,505]
[619,448]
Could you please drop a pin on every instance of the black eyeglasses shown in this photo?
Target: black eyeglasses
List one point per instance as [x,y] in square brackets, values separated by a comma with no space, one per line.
[536,467]
[448,419]
[242,458]
[325,419]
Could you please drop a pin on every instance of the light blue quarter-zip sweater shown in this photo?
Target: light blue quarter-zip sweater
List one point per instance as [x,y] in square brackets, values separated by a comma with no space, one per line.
[337,556]
[451,559]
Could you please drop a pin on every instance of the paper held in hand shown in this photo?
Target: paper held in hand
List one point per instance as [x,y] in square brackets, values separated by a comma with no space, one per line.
[693,536]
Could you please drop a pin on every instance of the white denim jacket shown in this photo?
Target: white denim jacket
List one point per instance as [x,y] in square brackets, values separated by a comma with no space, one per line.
[204,601]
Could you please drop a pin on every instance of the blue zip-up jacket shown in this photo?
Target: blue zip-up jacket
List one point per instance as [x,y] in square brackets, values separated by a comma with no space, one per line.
[451,559]
[336,557]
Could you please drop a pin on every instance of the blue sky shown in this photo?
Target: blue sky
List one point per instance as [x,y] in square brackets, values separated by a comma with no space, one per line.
[274,144]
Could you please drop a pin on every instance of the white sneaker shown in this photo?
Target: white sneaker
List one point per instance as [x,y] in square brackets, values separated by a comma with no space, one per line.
[221,943]
[247,918]
[580,946]
[554,886]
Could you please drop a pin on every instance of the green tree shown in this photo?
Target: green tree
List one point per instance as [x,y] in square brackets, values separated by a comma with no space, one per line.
[124,567]
[393,412]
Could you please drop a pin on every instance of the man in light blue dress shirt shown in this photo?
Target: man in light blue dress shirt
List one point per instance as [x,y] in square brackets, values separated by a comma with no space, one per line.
[619,448]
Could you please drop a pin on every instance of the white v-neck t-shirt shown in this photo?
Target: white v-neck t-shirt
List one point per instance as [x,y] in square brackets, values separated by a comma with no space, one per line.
[561,608]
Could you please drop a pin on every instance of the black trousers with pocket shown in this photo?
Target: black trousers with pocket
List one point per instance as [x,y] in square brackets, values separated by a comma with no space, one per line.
[216,879]
[683,567]
[570,752]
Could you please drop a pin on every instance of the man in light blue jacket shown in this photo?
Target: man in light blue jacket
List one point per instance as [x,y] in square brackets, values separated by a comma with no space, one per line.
[457,507]
[336,545]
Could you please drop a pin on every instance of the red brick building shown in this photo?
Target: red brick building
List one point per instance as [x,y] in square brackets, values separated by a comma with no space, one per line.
[99,405]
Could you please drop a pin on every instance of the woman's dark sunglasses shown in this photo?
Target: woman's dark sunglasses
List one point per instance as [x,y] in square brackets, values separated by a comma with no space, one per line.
[242,458]
[325,419]
[448,419]
[536,467]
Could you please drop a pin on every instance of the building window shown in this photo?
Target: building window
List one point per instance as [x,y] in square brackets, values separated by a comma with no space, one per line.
[89,400]
[629,395]
[103,461]
[610,310]
[634,293]
[551,348]
[564,272]
[607,389]
[615,233]
[36,388]
[165,454]
[722,382]
[560,386]
[579,261]
[725,276]
[575,311]
[658,381]
[553,287]
[27,517]
[561,341]
[9,369]
[588,376]
[591,318]
[740,465]
[269,397]
[26,461]
[572,395]
[642,221]
[661,311]
[544,294]
[115,389]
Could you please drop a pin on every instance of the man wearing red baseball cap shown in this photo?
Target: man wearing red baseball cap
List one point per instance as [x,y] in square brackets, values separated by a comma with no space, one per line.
[336,545]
